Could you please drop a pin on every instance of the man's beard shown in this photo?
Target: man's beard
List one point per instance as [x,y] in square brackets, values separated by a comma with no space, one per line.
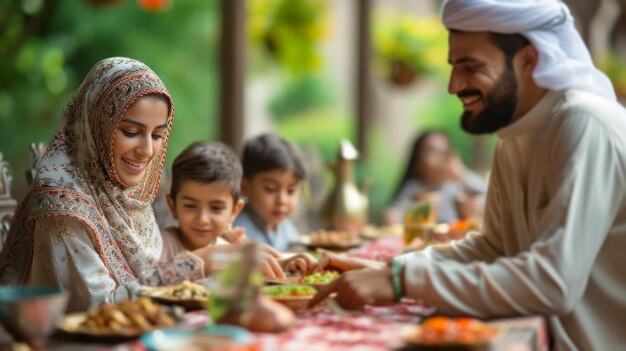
[500,103]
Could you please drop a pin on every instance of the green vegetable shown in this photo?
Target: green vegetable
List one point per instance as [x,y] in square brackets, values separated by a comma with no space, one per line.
[288,290]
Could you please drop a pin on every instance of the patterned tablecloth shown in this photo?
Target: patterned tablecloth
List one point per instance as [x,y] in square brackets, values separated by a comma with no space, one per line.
[324,329]
[382,249]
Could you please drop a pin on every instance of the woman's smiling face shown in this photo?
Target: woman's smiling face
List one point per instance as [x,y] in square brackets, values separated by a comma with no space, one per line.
[139,137]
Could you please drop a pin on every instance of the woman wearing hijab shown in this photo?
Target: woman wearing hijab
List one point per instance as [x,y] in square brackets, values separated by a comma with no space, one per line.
[87,224]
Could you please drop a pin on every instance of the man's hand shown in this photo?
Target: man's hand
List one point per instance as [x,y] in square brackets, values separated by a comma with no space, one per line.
[343,263]
[358,288]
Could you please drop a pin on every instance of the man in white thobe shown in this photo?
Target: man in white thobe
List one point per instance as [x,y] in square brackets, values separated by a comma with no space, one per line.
[554,232]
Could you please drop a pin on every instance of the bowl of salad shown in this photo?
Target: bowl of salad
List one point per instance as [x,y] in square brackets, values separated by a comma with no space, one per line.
[294,296]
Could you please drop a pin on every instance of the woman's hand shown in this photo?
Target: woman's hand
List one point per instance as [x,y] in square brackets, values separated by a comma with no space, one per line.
[302,262]
[343,263]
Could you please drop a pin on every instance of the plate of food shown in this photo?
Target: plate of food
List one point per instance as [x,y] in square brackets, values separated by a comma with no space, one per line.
[191,296]
[372,233]
[331,240]
[316,280]
[442,333]
[120,321]
[294,296]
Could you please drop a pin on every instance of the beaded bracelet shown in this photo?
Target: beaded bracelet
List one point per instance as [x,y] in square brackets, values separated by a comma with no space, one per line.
[396,279]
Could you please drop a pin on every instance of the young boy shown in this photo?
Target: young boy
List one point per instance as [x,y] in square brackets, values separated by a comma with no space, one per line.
[273,172]
[204,198]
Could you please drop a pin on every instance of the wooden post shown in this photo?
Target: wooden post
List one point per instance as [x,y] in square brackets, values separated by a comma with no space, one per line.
[364,96]
[232,72]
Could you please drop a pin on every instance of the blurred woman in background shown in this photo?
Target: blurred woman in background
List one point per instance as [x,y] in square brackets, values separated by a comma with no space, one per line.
[436,174]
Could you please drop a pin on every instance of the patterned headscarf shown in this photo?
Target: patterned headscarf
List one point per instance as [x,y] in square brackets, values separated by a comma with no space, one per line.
[564,61]
[76,177]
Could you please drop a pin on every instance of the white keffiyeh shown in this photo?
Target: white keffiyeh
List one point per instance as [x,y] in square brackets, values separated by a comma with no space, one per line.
[564,61]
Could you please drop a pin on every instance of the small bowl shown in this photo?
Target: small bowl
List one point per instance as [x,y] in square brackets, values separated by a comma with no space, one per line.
[295,303]
[29,313]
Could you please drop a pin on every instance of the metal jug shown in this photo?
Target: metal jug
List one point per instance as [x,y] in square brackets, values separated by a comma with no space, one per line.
[346,206]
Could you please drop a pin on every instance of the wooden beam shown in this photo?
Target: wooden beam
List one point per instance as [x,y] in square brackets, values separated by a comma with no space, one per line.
[232,72]
[364,97]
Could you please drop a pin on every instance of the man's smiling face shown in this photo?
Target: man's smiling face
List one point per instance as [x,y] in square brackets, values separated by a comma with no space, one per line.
[480,77]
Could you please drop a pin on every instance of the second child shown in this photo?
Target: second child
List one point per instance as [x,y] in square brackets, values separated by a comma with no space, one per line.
[273,172]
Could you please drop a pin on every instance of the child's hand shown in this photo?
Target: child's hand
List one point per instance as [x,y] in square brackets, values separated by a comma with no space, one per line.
[235,235]
[302,262]
[270,266]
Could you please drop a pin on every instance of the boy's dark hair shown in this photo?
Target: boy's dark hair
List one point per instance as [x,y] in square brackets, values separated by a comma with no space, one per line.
[207,162]
[269,151]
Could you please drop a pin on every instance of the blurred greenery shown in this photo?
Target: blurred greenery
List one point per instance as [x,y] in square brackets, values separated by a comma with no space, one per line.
[404,42]
[47,49]
[288,32]
[324,129]
[304,92]
[48,46]
[613,65]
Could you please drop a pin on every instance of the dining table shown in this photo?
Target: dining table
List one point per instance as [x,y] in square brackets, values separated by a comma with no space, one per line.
[330,327]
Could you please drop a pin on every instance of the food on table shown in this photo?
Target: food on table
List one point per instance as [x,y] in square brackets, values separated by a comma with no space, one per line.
[296,297]
[452,331]
[186,290]
[292,290]
[372,232]
[323,277]
[330,238]
[140,315]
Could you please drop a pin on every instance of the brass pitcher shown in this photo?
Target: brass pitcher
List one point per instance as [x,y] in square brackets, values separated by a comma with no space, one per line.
[346,206]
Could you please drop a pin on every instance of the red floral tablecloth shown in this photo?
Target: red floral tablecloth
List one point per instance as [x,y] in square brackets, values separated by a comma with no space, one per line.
[382,249]
[322,329]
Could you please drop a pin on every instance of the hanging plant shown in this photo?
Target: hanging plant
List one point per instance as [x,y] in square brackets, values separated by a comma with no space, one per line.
[289,31]
[407,47]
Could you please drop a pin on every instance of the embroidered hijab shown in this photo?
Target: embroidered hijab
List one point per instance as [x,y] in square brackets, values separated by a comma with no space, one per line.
[564,61]
[76,177]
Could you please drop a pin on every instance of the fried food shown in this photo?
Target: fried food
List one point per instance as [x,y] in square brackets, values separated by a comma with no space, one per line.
[140,315]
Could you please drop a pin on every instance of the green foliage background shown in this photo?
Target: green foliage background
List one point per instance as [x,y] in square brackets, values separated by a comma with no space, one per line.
[39,73]
[45,52]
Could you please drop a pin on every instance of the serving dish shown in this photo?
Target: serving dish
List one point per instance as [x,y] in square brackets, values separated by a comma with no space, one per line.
[191,296]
